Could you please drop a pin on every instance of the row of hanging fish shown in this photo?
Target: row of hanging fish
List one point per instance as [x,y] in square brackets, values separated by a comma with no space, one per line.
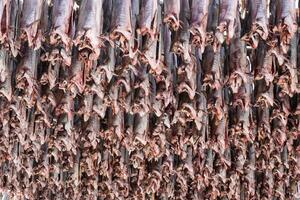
[149,99]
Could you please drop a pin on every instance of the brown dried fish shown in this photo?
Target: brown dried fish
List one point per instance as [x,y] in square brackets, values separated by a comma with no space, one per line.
[172,11]
[88,30]
[30,22]
[199,23]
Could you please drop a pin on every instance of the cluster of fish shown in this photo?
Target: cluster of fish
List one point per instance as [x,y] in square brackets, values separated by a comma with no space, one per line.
[149,99]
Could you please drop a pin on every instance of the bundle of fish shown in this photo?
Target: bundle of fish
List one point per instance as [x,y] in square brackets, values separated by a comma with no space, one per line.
[149,99]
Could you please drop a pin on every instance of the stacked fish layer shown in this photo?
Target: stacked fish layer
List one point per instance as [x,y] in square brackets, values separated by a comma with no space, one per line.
[147,99]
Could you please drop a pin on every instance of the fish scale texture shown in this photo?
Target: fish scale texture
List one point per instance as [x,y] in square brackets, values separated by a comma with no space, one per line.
[148,99]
